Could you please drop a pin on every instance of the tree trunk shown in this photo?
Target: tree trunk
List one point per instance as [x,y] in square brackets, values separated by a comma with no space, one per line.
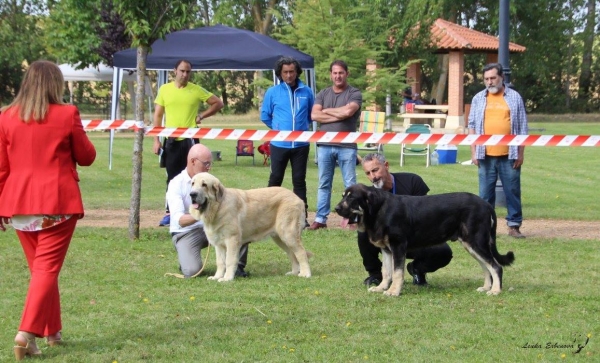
[263,18]
[569,71]
[585,78]
[442,81]
[138,146]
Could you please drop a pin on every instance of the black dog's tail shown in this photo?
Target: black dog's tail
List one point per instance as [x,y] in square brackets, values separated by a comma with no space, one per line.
[504,260]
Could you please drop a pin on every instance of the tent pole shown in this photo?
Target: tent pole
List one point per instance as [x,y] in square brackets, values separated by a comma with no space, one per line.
[116,88]
[310,79]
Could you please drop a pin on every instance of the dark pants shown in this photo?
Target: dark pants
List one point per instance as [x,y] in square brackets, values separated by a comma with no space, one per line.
[298,157]
[175,154]
[425,260]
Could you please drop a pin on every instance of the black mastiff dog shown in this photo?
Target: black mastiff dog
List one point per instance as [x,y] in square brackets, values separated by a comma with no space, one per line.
[398,224]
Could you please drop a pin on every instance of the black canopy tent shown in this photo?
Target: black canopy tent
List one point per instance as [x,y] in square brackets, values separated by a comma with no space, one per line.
[216,47]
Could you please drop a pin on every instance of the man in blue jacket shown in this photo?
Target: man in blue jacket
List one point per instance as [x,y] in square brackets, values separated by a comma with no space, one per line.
[287,107]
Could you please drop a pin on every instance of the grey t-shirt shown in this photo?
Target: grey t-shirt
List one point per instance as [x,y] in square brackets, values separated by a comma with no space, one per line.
[329,99]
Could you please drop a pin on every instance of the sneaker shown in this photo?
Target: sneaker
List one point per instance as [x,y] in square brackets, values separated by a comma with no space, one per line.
[515,233]
[165,221]
[372,280]
[317,225]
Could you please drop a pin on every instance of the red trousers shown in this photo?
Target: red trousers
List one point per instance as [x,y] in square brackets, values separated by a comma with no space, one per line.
[45,251]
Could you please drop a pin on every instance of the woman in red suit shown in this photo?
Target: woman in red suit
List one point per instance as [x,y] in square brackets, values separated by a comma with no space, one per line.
[41,142]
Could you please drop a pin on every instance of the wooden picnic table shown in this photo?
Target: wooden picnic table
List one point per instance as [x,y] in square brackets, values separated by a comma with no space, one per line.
[418,113]
[442,108]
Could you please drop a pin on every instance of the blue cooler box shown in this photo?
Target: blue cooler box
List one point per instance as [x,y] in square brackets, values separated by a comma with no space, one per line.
[447,154]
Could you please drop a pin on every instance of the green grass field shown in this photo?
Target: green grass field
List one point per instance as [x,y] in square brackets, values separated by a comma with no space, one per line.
[118,306]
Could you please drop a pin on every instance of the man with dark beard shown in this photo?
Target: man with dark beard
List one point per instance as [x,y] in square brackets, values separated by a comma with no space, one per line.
[499,110]
[425,260]
[287,106]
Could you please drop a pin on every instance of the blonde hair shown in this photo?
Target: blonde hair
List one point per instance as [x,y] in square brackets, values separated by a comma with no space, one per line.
[43,84]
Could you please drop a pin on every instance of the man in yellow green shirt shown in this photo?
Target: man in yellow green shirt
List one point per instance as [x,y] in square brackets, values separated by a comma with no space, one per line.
[179,102]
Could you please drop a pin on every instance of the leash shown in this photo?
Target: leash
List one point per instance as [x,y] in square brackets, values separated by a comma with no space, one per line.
[180,276]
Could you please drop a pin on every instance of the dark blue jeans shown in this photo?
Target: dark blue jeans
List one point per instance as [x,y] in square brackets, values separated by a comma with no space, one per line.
[490,169]
[298,157]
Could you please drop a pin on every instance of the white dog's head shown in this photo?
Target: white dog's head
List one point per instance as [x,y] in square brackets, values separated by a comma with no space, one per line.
[206,190]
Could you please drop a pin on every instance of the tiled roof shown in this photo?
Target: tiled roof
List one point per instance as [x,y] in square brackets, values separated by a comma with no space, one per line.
[450,36]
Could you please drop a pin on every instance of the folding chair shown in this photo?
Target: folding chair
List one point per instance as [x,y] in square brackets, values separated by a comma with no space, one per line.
[244,148]
[372,121]
[416,150]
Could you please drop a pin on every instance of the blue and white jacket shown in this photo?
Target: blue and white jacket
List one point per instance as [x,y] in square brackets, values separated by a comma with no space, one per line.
[284,110]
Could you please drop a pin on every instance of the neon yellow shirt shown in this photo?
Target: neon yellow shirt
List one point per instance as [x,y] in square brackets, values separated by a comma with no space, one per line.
[181,104]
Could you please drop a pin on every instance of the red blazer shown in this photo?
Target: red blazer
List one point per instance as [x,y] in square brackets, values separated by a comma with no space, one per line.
[38,172]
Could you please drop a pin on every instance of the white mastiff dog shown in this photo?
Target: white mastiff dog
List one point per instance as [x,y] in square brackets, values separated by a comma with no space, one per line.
[233,217]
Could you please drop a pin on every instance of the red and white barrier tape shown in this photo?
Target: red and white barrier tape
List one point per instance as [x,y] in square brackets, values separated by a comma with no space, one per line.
[96,125]
[348,137]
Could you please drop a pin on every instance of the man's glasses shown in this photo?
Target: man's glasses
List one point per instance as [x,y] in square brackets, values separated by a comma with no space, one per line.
[207,164]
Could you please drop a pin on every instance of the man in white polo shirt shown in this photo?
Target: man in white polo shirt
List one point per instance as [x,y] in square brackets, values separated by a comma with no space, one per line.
[187,233]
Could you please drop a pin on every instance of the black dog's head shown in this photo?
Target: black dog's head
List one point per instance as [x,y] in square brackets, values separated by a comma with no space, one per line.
[357,203]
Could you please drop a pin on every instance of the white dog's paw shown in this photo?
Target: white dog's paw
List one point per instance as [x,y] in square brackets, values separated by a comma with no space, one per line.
[376,289]
[483,289]
[225,279]
[305,274]
[212,278]
[494,292]
[292,273]
[391,293]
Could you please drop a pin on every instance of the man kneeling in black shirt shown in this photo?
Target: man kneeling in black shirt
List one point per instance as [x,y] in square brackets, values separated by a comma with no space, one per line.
[425,260]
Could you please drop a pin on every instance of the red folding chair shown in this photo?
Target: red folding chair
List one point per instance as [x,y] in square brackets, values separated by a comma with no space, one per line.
[244,148]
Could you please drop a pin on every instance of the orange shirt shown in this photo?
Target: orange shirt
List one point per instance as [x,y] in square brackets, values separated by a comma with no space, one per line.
[496,122]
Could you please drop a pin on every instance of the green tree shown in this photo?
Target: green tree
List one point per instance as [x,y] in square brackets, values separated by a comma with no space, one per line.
[540,74]
[329,30]
[585,76]
[20,27]
[85,33]
[258,16]
[401,36]
[70,31]
[255,15]
[389,32]
[146,21]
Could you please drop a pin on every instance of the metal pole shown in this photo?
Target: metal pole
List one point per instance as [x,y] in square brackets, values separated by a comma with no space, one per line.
[503,53]
[503,56]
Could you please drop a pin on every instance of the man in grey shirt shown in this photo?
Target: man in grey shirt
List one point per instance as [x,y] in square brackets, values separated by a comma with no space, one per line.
[336,108]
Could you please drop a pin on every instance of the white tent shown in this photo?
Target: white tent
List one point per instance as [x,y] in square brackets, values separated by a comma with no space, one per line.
[104,73]
[100,73]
